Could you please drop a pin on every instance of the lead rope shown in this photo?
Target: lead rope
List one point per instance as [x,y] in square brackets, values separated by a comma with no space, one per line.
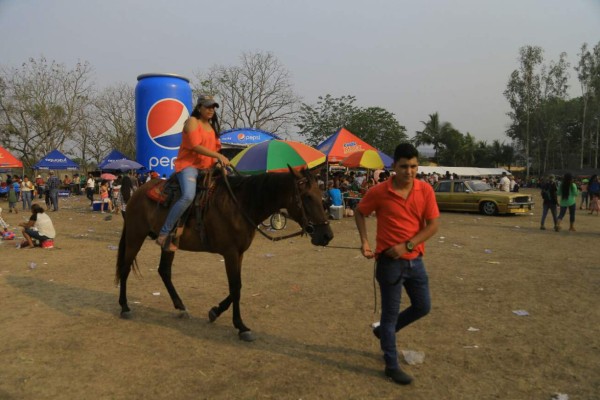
[375,287]
[252,223]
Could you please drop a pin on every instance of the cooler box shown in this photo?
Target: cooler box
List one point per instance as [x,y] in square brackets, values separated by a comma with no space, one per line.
[336,212]
[97,206]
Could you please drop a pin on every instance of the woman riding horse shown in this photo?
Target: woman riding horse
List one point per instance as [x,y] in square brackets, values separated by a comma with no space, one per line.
[230,218]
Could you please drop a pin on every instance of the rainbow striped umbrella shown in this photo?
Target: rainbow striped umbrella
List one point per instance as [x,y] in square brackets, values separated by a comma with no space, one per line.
[369,159]
[275,156]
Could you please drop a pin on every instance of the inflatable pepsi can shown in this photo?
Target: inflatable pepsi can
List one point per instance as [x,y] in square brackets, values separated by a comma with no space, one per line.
[163,102]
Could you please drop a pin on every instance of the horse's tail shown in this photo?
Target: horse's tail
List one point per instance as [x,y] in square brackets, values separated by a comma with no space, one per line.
[121,267]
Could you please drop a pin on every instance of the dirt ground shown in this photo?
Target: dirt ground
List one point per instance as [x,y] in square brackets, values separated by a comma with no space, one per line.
[61,336]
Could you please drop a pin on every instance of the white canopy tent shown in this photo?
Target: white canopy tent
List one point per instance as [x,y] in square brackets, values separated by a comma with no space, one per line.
[463,171]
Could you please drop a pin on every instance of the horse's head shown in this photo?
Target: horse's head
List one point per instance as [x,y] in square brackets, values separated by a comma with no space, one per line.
[307,208]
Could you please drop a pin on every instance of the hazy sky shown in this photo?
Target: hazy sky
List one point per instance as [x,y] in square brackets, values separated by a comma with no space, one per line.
[412,58]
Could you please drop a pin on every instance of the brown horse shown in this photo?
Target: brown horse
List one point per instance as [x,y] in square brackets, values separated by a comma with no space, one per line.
[230,221]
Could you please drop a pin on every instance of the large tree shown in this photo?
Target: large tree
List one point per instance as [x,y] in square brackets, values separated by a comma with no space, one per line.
[378,127]
[258,93]
[319,121]
[522,93]
[42,104]
[585,72]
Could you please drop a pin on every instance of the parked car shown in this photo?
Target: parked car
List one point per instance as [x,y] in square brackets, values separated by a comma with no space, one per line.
[478,196]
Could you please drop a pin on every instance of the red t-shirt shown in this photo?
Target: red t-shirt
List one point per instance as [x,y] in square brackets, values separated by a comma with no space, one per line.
[398,219]
[188,157]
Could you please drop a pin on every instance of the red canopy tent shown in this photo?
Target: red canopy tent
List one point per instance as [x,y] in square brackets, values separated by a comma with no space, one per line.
[7,160]
[341,144]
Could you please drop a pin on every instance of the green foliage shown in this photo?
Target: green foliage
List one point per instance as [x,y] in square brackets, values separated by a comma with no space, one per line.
[318,122]
[374,125]
[378,127]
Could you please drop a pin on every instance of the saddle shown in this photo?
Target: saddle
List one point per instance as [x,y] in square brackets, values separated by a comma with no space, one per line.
[167,192]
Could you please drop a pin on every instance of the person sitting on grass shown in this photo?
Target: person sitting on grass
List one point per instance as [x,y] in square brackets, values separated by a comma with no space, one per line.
[38,227]
[3,224]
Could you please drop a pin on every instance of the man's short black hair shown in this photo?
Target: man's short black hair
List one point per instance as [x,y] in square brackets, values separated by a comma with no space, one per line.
[405,150]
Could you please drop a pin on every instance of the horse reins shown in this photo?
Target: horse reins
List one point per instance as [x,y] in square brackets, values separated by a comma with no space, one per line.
[304,224]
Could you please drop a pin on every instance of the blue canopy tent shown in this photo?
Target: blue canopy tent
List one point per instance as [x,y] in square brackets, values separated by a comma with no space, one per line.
[56,160]
[114,155]
[235,140]
[244,137]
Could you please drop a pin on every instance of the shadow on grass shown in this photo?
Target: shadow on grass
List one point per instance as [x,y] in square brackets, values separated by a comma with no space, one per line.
[73,301]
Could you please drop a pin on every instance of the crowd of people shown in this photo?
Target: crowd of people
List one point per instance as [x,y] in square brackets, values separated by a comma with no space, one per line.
[39,231]
[560,196]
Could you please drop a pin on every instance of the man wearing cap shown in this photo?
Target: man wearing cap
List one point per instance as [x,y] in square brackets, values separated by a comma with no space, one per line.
[39,186]
[198,150]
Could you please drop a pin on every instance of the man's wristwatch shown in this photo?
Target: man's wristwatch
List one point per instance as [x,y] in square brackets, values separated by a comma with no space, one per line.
[410,246]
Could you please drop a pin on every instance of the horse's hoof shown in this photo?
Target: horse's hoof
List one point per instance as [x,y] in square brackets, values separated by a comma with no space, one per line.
[183,314]
[247,336]
[125,314]
[212,314]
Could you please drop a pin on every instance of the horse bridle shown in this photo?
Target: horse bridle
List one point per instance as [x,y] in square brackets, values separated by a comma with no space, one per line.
[306,225]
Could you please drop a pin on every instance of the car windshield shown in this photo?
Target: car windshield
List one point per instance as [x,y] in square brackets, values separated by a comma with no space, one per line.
[479,186]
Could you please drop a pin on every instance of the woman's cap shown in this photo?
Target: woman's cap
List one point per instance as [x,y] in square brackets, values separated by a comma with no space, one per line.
[207,101]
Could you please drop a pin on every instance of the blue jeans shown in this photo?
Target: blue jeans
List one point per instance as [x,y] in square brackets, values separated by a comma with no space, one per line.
[392,275]
[54,198]
[27,196]
[552,209]
[584,199]
[563,211]
[187,182]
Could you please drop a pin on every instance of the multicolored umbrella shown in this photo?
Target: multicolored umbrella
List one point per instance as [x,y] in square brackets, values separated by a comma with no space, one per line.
[369,159]
[275,156]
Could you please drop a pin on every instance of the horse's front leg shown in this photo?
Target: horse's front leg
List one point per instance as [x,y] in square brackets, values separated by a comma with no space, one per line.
[233,265]
[164,270]
[216,311]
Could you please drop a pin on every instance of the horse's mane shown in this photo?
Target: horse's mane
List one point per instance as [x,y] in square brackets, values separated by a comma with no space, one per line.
[258,190]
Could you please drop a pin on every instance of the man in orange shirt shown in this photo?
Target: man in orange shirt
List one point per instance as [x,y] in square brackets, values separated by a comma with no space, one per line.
[407,215]
[199,150]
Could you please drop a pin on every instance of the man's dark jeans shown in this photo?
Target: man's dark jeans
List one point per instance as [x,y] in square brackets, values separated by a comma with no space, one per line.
[392,275]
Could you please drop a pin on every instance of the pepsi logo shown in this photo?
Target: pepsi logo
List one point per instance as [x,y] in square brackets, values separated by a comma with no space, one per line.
[241,136]
[164,123]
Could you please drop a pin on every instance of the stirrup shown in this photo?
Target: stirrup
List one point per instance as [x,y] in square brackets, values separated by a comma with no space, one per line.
[166,243]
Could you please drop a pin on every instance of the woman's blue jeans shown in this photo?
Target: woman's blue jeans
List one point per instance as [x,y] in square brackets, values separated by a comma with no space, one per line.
[26,196]
[392,275]
[563,211]
[187,178]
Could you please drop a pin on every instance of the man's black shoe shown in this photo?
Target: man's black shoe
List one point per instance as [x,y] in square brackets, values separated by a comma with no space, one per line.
[398,376]
[377,332]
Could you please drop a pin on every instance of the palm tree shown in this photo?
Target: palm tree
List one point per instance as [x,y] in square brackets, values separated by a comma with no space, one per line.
[433,133]
[469,148]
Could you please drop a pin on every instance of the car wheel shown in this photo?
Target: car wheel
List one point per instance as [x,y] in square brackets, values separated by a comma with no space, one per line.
[489,208]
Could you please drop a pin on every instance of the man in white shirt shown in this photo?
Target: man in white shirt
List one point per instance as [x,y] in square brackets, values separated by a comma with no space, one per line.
[504,183]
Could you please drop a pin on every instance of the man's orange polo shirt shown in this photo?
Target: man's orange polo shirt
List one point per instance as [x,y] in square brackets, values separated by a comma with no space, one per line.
[398,219]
